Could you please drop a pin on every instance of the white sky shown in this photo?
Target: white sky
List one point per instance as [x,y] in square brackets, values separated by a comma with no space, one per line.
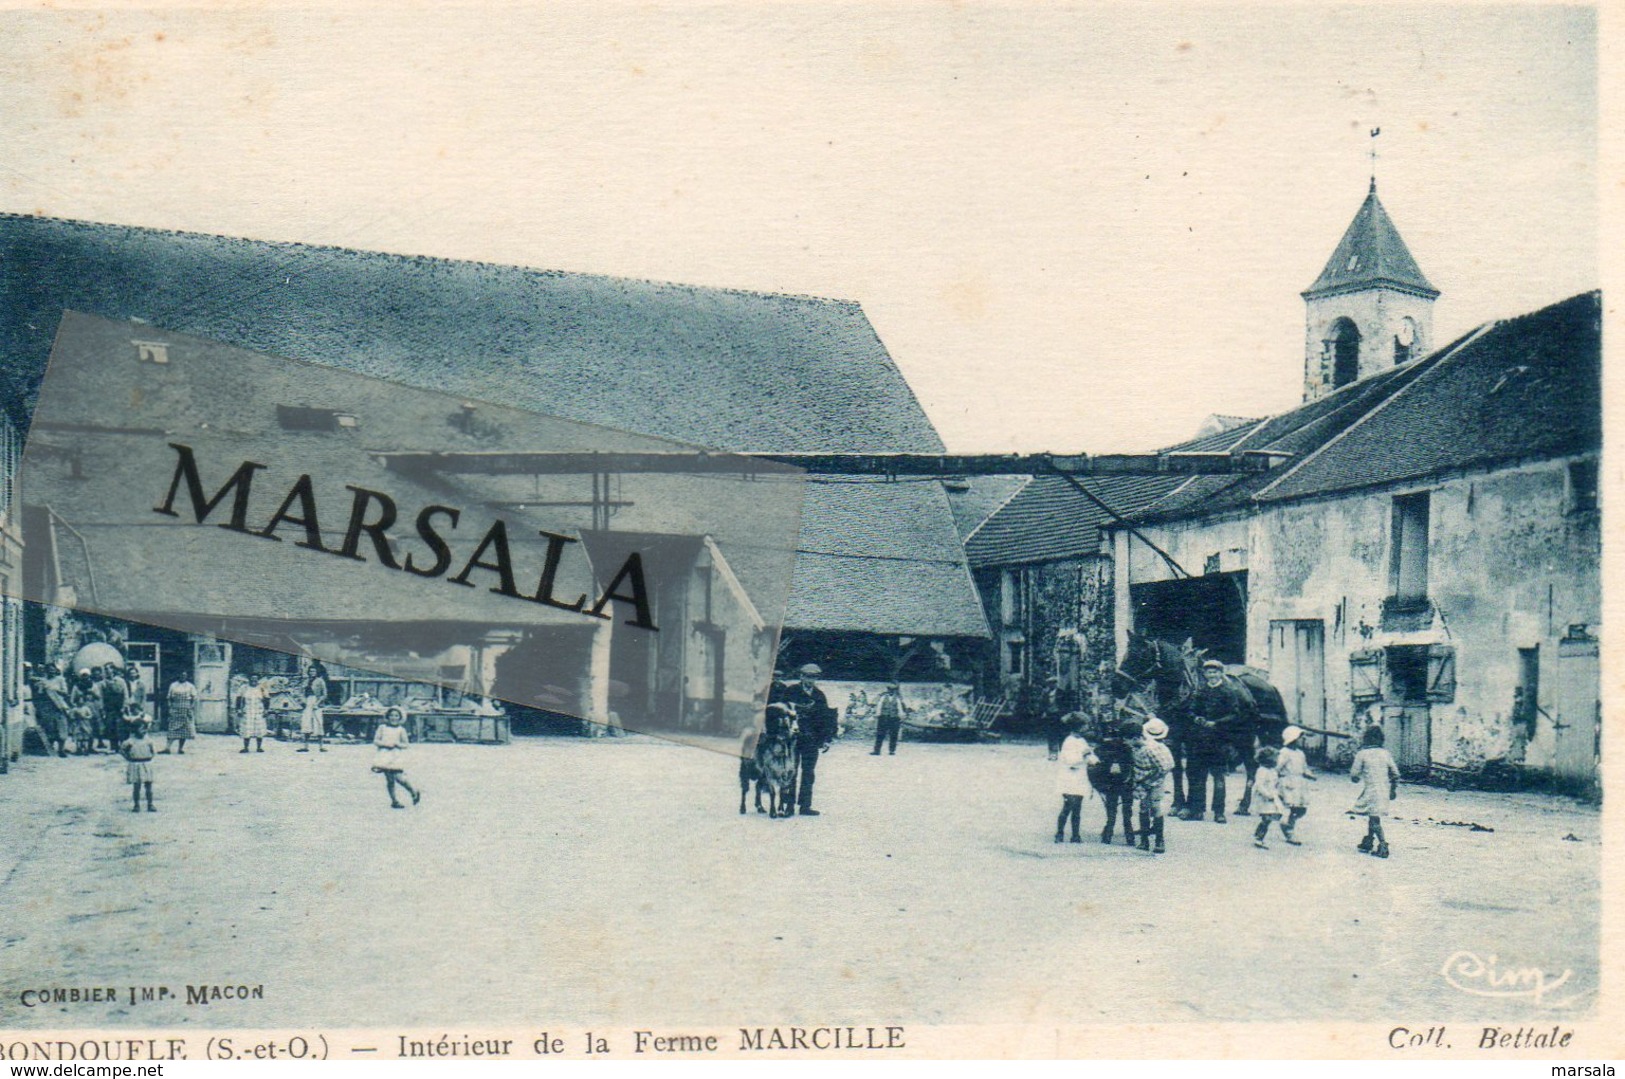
[1074,228]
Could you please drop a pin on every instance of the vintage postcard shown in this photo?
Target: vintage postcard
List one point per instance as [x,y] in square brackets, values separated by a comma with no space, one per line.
[825,530]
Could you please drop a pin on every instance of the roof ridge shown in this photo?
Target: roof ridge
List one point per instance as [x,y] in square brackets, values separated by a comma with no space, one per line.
[1241,432]
[396,256]
[1449,353]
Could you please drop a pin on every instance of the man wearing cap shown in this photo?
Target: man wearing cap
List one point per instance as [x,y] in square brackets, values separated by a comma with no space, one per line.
[815,722]
[1219,715]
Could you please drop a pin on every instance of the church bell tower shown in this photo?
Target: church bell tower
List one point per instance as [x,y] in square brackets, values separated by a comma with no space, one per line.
[1370,309]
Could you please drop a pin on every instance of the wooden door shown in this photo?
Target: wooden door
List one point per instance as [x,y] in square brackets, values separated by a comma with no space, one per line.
[1407,727]
[211,665]
[1298,670]
[1577,711]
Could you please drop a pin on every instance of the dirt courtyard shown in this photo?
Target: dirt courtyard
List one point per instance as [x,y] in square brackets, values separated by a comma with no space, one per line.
[613,881]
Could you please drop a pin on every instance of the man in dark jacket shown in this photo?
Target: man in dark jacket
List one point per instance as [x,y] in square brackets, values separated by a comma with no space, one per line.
[1221,716]
[115,693]
[815,721]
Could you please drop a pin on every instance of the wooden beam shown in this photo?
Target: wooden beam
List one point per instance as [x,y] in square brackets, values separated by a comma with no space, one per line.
[940,465]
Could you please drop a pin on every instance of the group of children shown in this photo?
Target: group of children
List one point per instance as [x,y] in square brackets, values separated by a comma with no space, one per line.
[1130,766]
[390,741]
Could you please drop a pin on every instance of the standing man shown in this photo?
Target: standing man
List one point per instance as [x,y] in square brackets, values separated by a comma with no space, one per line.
[1052,714]
[1218,716]
[889,713]
[815,721]
[115,699]
[51,710]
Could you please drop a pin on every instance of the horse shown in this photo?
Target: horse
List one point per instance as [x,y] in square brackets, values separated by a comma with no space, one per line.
[771,762]
[1158,678]
[1172,674]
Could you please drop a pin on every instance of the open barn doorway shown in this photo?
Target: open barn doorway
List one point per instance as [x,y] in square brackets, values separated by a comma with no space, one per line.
[1210,610]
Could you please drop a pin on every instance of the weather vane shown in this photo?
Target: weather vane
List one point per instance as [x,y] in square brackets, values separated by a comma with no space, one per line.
[1374,133]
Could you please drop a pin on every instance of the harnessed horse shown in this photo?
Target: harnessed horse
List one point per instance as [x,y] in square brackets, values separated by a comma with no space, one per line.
[1173,673]
[1159,678]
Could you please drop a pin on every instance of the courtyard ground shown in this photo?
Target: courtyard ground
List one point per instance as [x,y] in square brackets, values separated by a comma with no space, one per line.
[613,881]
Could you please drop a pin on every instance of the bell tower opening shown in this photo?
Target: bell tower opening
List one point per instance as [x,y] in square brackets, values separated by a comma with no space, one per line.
[1343,347]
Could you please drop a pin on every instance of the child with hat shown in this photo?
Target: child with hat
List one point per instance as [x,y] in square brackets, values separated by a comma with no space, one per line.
[1292,774]
[1153,782]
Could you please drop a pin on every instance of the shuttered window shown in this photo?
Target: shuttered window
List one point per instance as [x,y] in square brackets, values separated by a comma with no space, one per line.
[1365,674]
[1441,674]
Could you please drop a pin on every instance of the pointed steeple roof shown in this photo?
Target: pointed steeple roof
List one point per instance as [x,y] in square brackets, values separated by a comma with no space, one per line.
[1371,254]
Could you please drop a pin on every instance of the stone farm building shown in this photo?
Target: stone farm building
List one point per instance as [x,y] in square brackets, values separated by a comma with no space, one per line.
[1426,553]
[1433,566]
[878,568]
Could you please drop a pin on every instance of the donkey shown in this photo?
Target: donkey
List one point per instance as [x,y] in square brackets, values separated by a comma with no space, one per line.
[771,765]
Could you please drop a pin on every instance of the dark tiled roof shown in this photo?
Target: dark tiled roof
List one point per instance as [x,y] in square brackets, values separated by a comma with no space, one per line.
[1530,387]
[735,370]
[877,557]
[1297,433]
[1526,388]
[1049,520]
[1371,253]
[727,369]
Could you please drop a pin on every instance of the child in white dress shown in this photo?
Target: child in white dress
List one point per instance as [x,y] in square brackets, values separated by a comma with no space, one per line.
[390,741]
[138,751]
[1072,782]
[1266,795]
[1374,769]
[1293,775]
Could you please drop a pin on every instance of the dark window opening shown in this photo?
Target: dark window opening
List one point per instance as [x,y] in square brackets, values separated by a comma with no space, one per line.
[1408,569]
[1402,353]
[300,418]
[1582,487]
[1526,698]
[1013,651]
[1407,674]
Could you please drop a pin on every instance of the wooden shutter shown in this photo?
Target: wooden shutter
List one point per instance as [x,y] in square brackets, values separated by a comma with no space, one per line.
[1365,674]
[1441,674]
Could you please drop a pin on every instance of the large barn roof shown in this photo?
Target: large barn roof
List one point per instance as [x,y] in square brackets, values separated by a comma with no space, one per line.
[728,369]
